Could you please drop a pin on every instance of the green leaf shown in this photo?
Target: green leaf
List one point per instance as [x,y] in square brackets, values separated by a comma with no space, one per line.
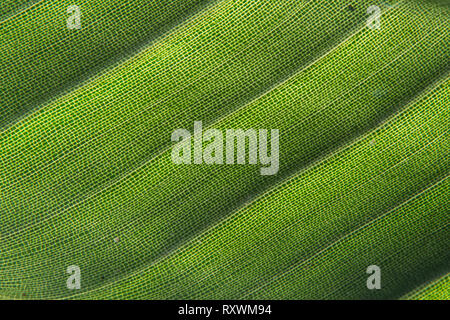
[436,290]
[87,178]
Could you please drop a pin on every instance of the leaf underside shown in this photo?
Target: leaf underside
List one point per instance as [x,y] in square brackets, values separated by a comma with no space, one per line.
[87,178]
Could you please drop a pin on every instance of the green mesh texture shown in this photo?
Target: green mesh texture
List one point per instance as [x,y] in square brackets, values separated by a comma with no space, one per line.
[87,179]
